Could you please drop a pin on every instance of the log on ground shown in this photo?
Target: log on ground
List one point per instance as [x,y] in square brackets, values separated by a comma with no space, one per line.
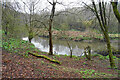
[45,57]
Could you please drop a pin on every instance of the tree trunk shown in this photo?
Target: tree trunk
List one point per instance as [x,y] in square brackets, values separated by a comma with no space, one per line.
[70,53]
[6,30]
[50,38]
[30,36]
[89,53]
[112,63]
[70,48]
[104,29]
[29,39]
[50,28]
[87,50]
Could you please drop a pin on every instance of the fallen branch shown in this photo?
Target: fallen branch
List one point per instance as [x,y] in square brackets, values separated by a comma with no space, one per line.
[45,57]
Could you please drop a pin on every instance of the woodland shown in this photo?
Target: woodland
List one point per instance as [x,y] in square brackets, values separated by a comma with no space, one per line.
[55,39]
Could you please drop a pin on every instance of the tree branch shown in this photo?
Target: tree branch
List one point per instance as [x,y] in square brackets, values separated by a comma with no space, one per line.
[89,7]
[116,12]
[50,2]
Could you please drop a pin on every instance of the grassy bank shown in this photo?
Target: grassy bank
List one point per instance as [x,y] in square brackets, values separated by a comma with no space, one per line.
[77,35]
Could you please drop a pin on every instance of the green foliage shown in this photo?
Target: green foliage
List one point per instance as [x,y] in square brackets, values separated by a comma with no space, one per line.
[95,55]
[17,46]
[26,55]
[114,57]
[57,55]
[114,35]
[108,70]
[99,37]
[13,45]
[65,55]
[96,31]
[80,36]
[89,72]
[18,63]
[74,56]
[109,66]
[107,57]
[83,77]
[77,71]
[77,59]
[54,57]
[42,62]
[54,65]
[64,26]
[102,74]
[84,63]
[102,57]
[73,30]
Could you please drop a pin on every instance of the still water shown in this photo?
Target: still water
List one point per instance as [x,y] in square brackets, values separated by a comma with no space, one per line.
[61,47]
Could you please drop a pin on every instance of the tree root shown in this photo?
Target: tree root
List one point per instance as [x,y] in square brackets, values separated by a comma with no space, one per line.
[45,57]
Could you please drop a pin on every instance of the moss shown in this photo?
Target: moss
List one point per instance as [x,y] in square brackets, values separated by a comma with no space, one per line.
[45,57]
[116,12]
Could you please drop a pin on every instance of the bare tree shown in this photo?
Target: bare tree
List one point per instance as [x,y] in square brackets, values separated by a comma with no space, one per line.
[53,3]
[5,10]
[68,43]
[101,16]
[30,22]
[9,16]
[70,48]
[52,15]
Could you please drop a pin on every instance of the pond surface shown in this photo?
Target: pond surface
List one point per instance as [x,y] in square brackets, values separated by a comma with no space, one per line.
[61,47]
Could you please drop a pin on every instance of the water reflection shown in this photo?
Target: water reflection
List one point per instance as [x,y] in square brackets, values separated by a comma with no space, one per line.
[61,47]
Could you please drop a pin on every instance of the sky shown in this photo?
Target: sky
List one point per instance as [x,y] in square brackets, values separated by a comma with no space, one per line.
[43,4]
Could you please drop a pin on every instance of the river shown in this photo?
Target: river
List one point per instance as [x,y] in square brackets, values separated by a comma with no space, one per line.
[61,47]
